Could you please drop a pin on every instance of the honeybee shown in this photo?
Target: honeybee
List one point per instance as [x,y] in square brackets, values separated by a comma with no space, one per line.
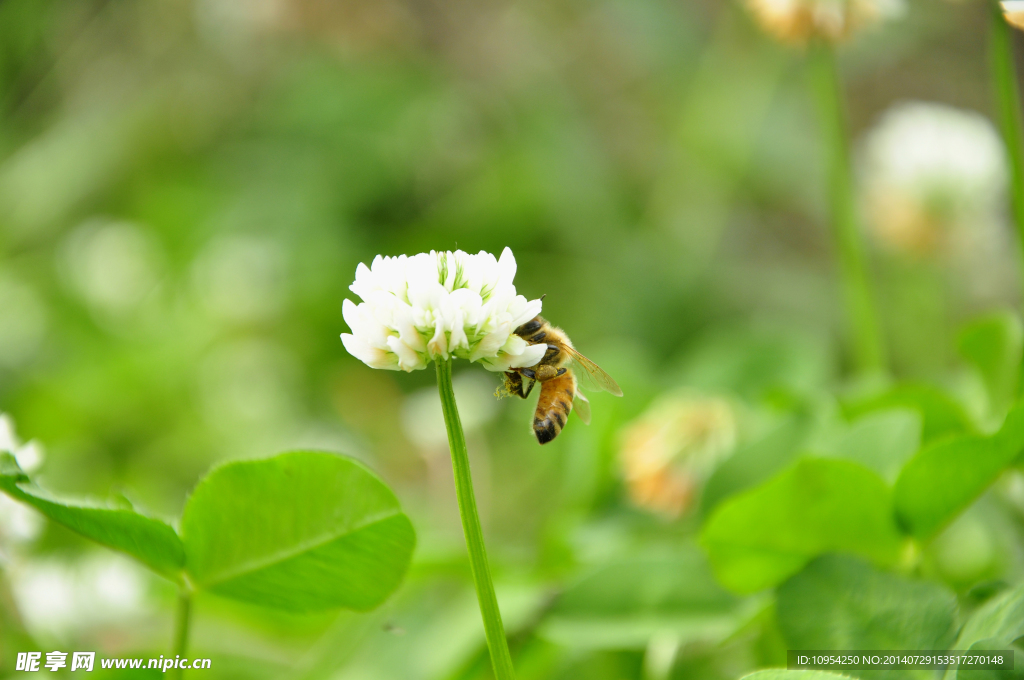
[559,389]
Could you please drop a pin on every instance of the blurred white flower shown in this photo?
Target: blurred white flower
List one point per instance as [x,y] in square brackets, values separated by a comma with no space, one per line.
[800,20]
[933,178]
[57,598]
[114,265]
[45,595]
[111,586]
[668,451]
[1013,10]
[438,305]
[18,522]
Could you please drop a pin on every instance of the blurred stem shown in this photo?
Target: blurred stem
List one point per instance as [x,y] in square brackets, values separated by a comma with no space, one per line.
[501,660]
[1004,82]
[182,622]
[858,296]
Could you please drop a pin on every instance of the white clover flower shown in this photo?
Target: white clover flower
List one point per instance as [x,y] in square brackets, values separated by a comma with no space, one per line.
[1013,10]
[439,305]
[798,21]
[933,179]
[61,599]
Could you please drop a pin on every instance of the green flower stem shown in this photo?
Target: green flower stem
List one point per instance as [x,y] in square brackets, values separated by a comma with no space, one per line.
[182,621]
[1004,82]
[1004,77]
[858,296]
[501,660]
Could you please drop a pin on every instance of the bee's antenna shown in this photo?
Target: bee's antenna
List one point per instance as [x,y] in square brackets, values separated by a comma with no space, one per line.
[543,296]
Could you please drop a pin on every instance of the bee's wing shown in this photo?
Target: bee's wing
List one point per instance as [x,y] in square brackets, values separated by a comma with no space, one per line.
[596,375]
[581,405]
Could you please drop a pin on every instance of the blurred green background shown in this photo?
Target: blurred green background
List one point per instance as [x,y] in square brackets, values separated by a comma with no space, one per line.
[186,188]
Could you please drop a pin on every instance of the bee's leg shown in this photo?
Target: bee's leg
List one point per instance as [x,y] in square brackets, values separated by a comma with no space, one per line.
[514,384]
[542,372]
[550,356]
[529,389]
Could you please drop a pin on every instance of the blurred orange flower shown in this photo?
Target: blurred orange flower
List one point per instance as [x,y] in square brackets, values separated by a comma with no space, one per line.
[797,21]
[667,452]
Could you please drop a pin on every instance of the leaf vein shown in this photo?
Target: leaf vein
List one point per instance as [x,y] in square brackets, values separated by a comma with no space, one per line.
[281,556]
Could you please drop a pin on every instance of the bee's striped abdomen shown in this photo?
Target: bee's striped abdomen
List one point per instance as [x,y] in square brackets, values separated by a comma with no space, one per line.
[554,406]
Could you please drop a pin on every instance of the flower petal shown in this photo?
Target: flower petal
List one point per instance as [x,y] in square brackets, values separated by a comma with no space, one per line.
[492,342]
[507,265]
[408,359]
[523,310]
[531,356]
[438,345]
[373,357]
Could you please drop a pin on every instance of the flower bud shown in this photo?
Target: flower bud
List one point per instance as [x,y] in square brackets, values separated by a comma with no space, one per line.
[1013,10]
[798,21]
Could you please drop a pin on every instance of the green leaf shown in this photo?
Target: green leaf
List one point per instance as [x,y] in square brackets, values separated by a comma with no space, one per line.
[941,415]
[623,604]
[148,540]
[993,345]
[840,602]
[774,674]
[1001,618]
[754,462]
[881,441]
[760,537]
[994,625]
[946,477]
[302,531]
